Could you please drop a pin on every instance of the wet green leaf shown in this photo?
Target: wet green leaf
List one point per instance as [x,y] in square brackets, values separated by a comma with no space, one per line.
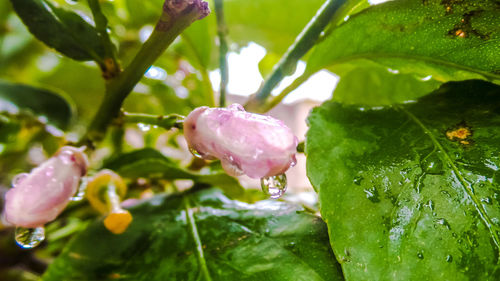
[63,30]
[40,102]
[269,240]
[411,192]
[449,40]
[148,162]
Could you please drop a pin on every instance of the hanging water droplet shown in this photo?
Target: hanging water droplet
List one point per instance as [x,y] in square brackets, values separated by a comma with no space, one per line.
[18,178]
[28,238]
[144,127]
[80,193]
[195,152]
[294,161]
[274,186]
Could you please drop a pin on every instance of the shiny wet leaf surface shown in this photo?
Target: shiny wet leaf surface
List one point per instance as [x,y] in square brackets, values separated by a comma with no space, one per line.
[269,240]
[412,191]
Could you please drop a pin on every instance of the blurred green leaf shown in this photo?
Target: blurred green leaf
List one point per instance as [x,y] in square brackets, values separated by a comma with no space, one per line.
[380,86]
[269,240]
[411,192]
[63,30]
[450,40]
[271,24]
[148,162]
[40,102]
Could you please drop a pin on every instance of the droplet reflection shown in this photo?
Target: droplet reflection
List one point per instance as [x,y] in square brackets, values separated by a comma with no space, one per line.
[274,186]
[29,238]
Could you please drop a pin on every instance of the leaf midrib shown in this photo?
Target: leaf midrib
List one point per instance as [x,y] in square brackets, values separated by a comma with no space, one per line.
[463,182]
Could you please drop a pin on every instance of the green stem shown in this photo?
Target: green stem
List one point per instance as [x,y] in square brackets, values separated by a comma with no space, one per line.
[303,43]
[221,33]
[196,237]
[268,105]
[170,25]
[165,121]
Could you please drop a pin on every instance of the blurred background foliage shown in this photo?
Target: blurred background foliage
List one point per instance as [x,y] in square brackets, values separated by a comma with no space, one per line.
[31,128]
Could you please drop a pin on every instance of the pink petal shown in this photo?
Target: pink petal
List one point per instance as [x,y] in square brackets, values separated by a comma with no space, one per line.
[253,144]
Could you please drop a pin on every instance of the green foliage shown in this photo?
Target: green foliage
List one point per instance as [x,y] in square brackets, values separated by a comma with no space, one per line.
[75,38]
[149,163]
[267,241]
[432,39]
[410,192]
[40,102]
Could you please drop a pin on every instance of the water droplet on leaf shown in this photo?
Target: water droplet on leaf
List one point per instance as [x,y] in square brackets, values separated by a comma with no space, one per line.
[274,186]
[449,258]
[29,238]
[420,256]
[372,194]
[358,179]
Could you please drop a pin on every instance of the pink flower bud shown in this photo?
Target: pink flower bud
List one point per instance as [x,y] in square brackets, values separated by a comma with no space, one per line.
[40,196]
[246,143]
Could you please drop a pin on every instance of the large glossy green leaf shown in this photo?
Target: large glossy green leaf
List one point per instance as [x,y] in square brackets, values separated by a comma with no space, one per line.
[175,238]
[148,162]
[41,102]
[63,30]
[450,40]
[411,192]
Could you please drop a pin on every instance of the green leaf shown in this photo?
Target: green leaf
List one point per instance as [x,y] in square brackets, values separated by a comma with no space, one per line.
[411,192]
[148,162]
[450,40]
[272,24]
[63,30]
[41,102]
[170,240]
[380,86]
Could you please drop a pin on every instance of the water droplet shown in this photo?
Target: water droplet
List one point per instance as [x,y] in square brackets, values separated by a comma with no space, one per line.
[80,192]
[237,107]
[18,179]
[195,153]
[444,223]
[358,179]
[29,238]
[449,258]
[294,161]
[144,127]
[486,200]
[372,194]
[274,186]
[433,165]
[420,256]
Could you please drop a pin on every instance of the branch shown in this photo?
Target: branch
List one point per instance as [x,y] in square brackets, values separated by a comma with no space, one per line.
[164,121]
[303,43]
[222,32]
[177,15]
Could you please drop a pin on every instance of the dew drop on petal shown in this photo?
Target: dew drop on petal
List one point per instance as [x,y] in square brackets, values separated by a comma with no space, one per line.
[29,238]
[18,179]
[80,193]
[195,153]
[274,186]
